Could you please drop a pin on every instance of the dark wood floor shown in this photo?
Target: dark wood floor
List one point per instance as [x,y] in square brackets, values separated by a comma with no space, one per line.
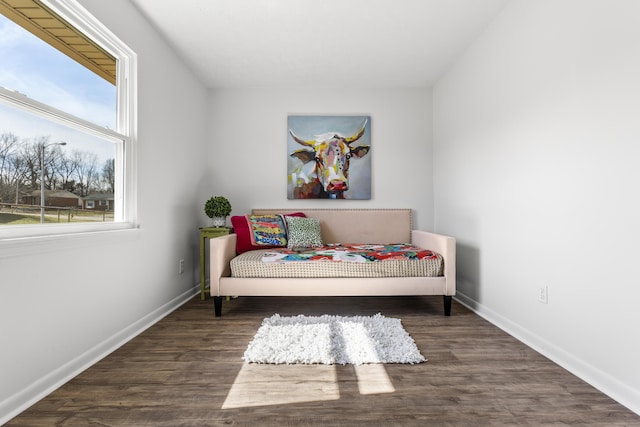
[187,371]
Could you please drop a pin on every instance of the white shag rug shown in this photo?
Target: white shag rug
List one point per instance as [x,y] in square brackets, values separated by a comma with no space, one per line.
[332,340]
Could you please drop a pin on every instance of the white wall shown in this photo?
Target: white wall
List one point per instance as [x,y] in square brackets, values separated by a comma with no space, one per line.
[536,144]
[248,130]
[64,303]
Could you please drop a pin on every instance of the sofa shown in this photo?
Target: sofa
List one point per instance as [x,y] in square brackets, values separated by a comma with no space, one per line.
[358,226]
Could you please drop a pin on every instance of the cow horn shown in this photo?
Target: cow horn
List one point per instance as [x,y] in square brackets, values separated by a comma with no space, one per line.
[300,140]
[356,136]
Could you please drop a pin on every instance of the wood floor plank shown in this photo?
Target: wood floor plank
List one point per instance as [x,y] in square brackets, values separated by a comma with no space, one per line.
[187,370]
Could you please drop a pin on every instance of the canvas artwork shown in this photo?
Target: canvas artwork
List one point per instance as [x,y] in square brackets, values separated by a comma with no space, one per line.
[329,157]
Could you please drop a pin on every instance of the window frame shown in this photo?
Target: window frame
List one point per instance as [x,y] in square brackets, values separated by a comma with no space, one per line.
[124,137]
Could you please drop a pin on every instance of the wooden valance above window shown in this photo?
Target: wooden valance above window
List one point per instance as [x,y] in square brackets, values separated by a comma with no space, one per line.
[44,23]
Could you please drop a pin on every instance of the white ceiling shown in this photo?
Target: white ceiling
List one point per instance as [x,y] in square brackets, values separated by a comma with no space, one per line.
[320,43]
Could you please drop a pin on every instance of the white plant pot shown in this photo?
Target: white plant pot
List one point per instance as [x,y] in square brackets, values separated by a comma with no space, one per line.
[219,221]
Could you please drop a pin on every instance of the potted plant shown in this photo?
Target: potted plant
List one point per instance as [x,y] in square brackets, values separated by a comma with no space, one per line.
[218,209]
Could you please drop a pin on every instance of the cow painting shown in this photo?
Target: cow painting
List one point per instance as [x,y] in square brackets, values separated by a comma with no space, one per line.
[325,159]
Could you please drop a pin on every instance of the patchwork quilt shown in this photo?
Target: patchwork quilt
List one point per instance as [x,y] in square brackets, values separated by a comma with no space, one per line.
[339,260]
[349,253]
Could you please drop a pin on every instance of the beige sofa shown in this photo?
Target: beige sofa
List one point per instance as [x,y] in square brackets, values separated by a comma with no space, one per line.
[341,226]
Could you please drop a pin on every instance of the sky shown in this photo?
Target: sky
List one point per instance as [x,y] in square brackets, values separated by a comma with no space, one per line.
[32,67]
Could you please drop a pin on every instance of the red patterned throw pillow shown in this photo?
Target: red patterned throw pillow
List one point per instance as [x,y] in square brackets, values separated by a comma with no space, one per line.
[260,231]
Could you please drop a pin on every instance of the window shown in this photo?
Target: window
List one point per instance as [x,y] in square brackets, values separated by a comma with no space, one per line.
[67,120]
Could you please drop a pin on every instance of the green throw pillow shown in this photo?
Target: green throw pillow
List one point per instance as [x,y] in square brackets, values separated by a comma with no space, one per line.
[303,232]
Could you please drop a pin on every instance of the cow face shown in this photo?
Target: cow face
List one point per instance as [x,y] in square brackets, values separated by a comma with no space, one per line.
[327,159]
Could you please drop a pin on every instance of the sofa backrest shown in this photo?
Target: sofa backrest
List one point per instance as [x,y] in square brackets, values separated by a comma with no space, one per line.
[357,225]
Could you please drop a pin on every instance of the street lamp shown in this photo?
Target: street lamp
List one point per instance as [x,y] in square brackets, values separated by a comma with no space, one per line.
[42,177]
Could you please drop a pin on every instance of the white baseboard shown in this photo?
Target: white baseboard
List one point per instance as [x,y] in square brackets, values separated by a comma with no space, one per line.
[612,387]
[22,400]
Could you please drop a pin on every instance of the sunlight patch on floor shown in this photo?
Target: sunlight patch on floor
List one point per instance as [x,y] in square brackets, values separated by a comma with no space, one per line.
[265,384]
[373,379]
[261,385]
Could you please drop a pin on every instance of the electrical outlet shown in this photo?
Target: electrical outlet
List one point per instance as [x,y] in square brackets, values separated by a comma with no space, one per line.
[543,294]
[181,266]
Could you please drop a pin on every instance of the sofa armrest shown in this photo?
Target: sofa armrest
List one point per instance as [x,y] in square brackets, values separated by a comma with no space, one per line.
[445,246]
[221,251]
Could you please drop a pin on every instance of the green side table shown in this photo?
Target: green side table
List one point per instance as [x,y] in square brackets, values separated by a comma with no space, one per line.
[208,233]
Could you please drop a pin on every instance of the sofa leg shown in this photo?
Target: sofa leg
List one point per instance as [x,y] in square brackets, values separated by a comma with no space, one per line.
[217,305]
[447,305]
